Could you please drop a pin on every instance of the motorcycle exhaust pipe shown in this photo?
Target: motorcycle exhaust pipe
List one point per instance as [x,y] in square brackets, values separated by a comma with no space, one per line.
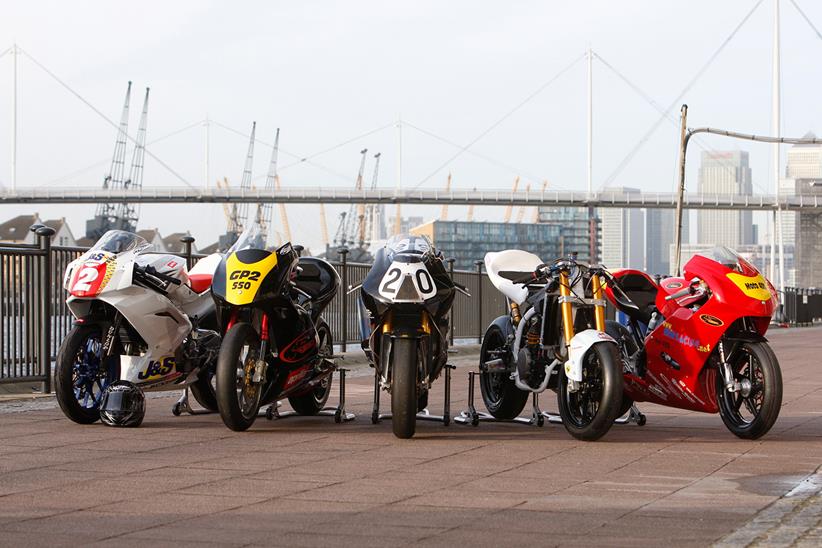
[494,366]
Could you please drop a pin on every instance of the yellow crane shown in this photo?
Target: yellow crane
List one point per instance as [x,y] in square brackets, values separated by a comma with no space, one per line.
[444,212]
[283,214]
[521,210]
[536,209]
[510,208]
[324,226]
[231,222]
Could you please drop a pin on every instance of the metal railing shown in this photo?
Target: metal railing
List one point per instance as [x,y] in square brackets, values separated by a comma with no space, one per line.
[34,318]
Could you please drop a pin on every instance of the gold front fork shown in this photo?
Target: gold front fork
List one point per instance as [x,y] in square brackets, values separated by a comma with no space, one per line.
[599,310]
[566,308]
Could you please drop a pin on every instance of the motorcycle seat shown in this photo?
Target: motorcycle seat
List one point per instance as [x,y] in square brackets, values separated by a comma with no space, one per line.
[199,282]
[642,291]
[505,266]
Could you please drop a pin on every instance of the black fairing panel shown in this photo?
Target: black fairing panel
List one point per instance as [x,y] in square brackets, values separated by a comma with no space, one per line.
[320,280]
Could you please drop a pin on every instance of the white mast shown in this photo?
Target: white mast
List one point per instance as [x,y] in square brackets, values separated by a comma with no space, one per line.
[207,152]
[777,131]
[590,121]
[14,121]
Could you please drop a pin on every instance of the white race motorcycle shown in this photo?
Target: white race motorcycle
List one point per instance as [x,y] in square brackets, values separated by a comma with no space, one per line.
[140,316]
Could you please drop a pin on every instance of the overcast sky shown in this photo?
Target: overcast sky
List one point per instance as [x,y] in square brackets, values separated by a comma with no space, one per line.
[325,72]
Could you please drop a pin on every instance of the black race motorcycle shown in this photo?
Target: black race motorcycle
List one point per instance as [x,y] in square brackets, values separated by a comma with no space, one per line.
[408,295]
[275,342]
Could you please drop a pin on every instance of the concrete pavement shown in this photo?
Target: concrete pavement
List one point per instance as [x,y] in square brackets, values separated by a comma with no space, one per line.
[682,479]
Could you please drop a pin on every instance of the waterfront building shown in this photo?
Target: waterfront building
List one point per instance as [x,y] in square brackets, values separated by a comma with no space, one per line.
[578,231]
[469,241]
[725,172]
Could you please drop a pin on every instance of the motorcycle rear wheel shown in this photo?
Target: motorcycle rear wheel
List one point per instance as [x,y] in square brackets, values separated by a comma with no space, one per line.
[589,413]
[751,416]
[204,390]
[501,396]
[312,402]
[237,400]
[404,388]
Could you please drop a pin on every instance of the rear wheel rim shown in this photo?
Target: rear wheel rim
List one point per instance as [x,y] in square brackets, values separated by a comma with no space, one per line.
[494,382]
[583,405]
[326,350]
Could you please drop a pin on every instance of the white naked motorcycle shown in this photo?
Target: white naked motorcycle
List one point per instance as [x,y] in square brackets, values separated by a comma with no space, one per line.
[140,316]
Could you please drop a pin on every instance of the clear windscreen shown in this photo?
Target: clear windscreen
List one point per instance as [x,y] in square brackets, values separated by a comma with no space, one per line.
[252,237]
[120,241]
[406,243]
[726,257]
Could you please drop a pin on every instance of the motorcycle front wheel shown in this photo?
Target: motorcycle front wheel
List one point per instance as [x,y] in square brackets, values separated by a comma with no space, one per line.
[590,411]
[238,397]
[404,387]
[750,412]
[80,376]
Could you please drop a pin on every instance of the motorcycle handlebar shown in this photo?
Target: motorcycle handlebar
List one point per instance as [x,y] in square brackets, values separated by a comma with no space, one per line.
[151,271]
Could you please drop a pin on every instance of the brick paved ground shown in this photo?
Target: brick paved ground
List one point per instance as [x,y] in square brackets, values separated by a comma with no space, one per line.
[682,479]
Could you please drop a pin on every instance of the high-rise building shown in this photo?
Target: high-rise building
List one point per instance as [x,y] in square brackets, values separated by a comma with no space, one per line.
[725,172]
[469,241]
[622,235]
[577,231]
[659,235]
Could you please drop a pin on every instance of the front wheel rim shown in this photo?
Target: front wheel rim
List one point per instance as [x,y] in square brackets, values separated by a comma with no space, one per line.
[744,406]
[248,392]
[88,381]
[583,405]
[494,382]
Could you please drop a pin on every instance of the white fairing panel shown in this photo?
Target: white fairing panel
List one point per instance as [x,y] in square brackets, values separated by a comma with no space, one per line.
[580,345]
[510,260]
[407,282]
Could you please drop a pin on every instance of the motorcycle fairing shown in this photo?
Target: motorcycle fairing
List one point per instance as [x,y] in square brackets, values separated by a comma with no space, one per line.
[511,260]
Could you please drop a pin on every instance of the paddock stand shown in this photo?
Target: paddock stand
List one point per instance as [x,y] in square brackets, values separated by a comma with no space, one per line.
[183,406]
[339,413]
[538,417]
[423,415]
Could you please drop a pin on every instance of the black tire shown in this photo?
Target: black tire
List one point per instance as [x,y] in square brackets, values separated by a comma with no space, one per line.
[204,389]
[238,408]
[404,387]
[311,402]
[763,401]
[590,412]
[82,345]
[627,347]
[501,396]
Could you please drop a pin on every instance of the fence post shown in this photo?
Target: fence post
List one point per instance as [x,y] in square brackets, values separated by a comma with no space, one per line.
[187,246]
[344,277]
[451,323]
[44,234]
[479,300]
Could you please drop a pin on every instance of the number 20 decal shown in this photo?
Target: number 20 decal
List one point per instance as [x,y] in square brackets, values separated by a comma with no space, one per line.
[420,277]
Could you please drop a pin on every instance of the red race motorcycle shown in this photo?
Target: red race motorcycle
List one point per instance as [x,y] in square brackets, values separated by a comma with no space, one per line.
[698,342]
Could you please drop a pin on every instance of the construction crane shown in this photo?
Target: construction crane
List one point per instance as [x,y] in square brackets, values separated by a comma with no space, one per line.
[444,212]
[509,209]
[122,216]
[536,209]
[352,224]
[237,214]
[231,224]
[128,214]
[272,184]
[324,226]
[374,211]
[521,210]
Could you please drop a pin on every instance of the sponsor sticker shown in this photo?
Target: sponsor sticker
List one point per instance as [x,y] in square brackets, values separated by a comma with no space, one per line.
[713,321]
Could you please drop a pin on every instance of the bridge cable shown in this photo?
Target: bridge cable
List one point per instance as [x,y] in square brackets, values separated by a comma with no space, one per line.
[676,101]
[674,121]
[502,119]
[106,118]
[108,160]
[489,159]
[805,17]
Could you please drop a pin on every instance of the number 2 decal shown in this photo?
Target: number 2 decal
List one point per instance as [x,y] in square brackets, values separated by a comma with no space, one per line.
[84,278]
[387,286]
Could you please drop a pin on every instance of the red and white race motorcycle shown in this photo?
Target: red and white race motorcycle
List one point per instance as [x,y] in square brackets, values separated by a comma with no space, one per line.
[140,316]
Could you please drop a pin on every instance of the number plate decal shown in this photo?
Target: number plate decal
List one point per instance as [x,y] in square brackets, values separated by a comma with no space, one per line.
[396,274]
